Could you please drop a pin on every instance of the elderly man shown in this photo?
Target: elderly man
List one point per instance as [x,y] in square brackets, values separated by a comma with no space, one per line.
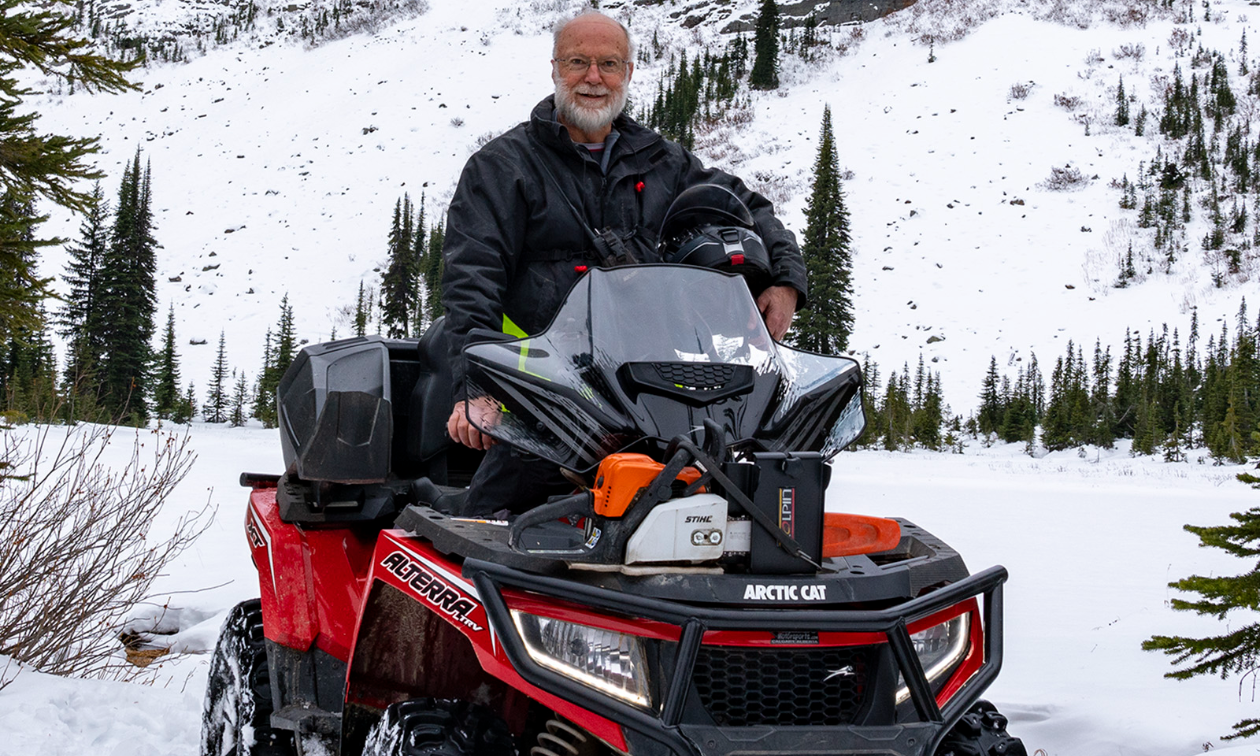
[515,243]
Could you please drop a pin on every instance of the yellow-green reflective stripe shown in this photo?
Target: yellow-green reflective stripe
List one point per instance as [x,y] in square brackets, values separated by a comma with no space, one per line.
[512,329]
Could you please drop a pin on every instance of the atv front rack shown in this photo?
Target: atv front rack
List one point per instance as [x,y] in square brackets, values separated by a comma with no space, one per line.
[668,731]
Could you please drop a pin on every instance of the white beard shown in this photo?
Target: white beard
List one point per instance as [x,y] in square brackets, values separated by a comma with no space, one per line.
[589,120]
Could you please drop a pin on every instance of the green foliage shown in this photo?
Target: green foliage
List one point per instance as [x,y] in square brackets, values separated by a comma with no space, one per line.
[278,351]
[694,94]
[765,68]
[37,39]
[169,403]
[363,311]
[127,299]
[432,274]
[909,413]
[80,319]
[1122,105]
[1165,398]
[825,325]
[1237,650]
[218,396]
[400,278]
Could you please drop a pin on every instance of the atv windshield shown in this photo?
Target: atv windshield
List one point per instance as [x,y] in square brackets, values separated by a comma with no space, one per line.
[641,354]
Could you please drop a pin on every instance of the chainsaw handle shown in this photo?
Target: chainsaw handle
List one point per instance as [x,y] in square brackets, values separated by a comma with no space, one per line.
[580,503]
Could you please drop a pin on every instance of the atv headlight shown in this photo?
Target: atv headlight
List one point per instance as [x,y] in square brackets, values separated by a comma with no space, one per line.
[611,662]
[939,649]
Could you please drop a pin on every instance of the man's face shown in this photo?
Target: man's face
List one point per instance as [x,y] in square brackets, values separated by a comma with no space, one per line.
[589,99]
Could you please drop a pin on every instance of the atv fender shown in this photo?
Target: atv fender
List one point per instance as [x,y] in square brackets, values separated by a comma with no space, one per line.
[424,633]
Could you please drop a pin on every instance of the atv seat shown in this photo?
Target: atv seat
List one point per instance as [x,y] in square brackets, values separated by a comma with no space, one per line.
[428,447]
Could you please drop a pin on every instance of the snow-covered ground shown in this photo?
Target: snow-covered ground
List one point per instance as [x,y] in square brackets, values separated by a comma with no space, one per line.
[1091,543]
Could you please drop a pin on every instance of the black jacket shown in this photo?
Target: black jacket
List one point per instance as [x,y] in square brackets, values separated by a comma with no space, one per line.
[514,248]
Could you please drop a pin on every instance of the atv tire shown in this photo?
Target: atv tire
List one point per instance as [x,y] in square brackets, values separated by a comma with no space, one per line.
[437,727]
[236,718]
[981,732]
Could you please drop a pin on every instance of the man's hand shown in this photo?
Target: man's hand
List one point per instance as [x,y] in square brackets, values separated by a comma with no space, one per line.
[777,305]
[463,432]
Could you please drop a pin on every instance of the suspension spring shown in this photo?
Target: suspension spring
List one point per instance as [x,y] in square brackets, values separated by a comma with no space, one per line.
[560,739]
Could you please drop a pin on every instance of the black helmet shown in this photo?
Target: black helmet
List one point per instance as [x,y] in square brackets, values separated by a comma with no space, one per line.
[708,226]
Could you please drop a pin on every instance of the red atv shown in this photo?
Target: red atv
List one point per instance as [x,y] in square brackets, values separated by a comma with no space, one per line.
[691,597]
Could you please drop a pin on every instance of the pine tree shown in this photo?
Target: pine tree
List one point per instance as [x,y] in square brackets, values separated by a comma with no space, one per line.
[80,316]
[186,407]
[1122,105]
[277,354]
[825,325]
[240,395]
[36,41]
[128,299]
[1237,649]
[398,281]
[765,68]
[362,311]
[990,414]
[166,393]
[218,396]
[433,274]
[990,402]
[28,372]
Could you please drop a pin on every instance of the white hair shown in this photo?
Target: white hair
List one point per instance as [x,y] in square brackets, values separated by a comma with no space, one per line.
[560,27]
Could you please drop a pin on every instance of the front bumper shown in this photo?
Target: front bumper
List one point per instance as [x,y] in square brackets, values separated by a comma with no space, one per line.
[671,730]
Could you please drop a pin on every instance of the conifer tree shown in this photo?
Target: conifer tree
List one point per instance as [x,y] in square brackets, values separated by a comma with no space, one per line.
[825,325]
[240,395]
[128,298]
[186,407]
[765,68]
[1237,648]
[80,321]
[433,273]
[990,414]
[1122,105]
[218,397]
[362,311]
[278,351]
[166,393]
[35,41]
[398,281]
[28,372]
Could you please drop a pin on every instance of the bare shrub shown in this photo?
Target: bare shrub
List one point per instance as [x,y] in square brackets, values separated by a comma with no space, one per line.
[1129,12]
[457,122]
[775,187]
[484,139]
[75,547]
[1067,102]
[1064,179]
[1020,91]
[1179,40]
[1134,51]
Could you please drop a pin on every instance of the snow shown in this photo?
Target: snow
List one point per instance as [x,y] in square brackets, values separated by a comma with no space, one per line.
[1090,541]
[282,165]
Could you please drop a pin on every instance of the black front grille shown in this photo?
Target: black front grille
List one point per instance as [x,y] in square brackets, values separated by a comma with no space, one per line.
[810,687]
[702,375]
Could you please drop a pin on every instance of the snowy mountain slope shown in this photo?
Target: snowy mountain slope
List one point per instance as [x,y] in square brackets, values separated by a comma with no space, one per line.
[276,170]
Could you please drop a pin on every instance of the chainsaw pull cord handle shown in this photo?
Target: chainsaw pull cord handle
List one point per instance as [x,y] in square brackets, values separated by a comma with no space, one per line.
[787,542]
[581,503]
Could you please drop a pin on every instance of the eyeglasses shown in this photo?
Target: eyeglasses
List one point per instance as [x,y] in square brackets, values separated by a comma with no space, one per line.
[607,66]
